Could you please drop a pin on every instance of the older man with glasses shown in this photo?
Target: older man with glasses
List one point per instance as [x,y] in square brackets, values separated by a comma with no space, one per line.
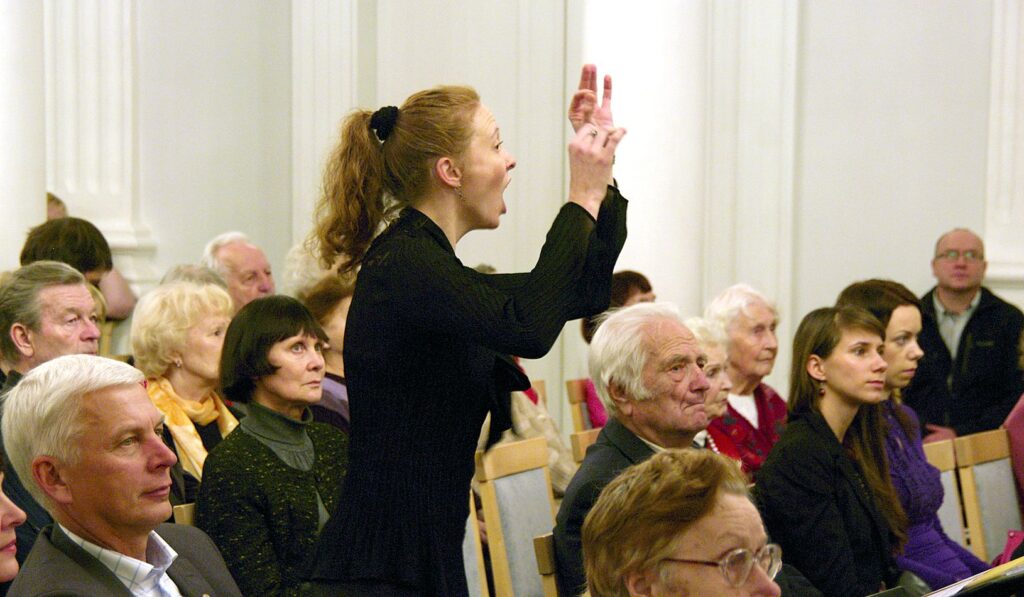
[969,379]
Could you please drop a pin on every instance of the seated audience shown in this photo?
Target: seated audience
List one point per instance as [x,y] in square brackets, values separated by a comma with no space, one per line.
[756,414]
[929,552]
[81,245]
[328,300]
[711,338]
[106,488]
[177,334]
[680,523]
[628,288]
[11,516]
[242,265]
[647,367]
[824,491]
[46,311]
[268,487]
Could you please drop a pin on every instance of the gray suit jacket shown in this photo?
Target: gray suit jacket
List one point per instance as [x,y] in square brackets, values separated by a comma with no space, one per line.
[56,566]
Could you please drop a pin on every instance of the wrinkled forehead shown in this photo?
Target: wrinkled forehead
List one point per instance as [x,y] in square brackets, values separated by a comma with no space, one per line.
[65,297]
[667,336]
[243,255]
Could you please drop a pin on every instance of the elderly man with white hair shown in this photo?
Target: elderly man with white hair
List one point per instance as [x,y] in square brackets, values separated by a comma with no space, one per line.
[243,266]
[756,414]
[83,429]
[647,368]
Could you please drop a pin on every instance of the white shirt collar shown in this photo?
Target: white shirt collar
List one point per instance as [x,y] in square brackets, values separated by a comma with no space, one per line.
[141,578]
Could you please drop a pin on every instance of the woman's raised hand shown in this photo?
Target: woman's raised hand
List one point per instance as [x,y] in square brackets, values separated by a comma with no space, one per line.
[592,149]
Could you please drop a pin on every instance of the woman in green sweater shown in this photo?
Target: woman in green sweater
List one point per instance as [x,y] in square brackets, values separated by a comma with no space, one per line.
[269,487]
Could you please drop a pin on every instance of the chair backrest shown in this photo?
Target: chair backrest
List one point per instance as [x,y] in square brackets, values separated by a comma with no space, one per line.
[582,440]
[473,554]
[184,514]
[544,548]
[576,390]
[942,455]
[990,496]
[515,488]
[541,388]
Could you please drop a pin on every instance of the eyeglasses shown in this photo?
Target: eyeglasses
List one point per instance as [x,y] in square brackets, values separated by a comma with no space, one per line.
[969,255]
[737,564]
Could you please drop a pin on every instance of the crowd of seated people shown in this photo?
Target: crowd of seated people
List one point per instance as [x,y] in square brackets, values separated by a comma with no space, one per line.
[702,480]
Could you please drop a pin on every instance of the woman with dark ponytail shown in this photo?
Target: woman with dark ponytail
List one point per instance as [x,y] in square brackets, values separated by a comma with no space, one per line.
[427,339]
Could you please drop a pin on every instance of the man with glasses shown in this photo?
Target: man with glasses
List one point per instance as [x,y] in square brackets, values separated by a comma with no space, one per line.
[969,378]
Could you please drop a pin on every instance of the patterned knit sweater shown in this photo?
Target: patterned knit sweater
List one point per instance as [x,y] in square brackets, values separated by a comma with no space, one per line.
[262,513]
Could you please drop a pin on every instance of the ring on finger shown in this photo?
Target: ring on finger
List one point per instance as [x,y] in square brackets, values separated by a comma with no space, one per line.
[593,131]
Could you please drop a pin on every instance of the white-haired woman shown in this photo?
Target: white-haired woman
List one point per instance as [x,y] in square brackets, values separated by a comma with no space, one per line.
[756,414]
[712,340]
[177,335]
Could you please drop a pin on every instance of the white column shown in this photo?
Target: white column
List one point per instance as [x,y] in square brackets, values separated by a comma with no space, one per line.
[22,126]
[1004,206]
[91,136]
[325,48]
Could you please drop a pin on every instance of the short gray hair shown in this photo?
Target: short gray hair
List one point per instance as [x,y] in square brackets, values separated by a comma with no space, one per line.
[190,272]
[734,300]
[709,333]
[19,299]
[42,414]
[619,350]
[210,258]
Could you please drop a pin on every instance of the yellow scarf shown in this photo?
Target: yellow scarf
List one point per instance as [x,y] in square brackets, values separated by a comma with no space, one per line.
[181,417]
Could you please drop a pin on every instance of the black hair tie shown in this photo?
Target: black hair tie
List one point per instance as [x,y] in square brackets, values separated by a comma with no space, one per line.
[383,122]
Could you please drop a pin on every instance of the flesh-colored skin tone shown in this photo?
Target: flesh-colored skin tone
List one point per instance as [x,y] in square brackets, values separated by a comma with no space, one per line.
[733,523]
[717,395]
[334,327]
[199,372]
[468,191]
[118,490]
[67,326]
[246,271]
[902,351]
[957,282]
[675,411]
[640,297]
[852,375]
[297,383]
[11,516]
[752,347]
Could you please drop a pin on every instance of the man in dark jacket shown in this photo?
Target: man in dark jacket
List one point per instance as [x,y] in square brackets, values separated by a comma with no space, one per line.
[969,378]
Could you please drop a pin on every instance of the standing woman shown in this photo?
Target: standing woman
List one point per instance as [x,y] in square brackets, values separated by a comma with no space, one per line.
[426,337]
[929,552]
[824,490]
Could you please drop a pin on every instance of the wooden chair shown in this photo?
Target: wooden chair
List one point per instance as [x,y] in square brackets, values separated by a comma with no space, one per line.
[942,455]
[581,441]
[184,514]
[990,497]
[518,504]
[473,554]
[576,390]
[544,549]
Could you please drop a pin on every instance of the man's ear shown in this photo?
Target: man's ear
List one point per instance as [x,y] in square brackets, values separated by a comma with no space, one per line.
[816,367]
[22,339]
[49,476]
[448,172]
[622,401]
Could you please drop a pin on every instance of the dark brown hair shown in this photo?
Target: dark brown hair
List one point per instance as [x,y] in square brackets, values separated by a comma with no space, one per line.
[73,241]
[624,285]
[322,298]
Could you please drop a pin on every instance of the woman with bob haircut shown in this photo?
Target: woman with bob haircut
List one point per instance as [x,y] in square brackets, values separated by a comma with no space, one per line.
[680,523]
[929,552]
[825,491]
[427,338]
[269,486]
[177,334]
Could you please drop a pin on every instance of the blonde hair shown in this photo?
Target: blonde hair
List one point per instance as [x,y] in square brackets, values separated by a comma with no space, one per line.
[367,181]
[164,316]
[640,517]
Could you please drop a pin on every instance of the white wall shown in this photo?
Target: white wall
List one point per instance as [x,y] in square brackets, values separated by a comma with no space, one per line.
[214,124]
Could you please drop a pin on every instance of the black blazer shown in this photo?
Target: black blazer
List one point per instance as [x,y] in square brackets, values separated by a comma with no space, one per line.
[816,505]
[57,566]
[615,450]
[423,346]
